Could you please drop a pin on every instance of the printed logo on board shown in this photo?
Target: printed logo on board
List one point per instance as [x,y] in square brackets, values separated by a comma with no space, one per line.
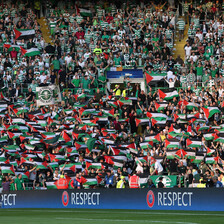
[150,198]
[65,198]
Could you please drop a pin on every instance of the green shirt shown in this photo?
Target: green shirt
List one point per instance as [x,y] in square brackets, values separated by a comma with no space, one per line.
[199,71]
[117,61]
[85,83]
[19,183]
[76,82]
[56,64]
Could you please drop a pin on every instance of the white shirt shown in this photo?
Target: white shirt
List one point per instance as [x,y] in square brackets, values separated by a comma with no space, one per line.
[158,167]
[42,78]
[68,59]
[187,50]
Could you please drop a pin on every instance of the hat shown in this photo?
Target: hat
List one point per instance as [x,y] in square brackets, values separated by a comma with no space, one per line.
[122,177]
[62,176]
[116,85]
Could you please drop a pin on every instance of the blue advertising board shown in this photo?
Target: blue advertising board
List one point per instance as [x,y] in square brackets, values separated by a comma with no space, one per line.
[154,199]
[133,74]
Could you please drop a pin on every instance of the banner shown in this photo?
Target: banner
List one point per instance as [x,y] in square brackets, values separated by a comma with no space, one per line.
[168,181]
[132,73]
[208,199]
[48,95]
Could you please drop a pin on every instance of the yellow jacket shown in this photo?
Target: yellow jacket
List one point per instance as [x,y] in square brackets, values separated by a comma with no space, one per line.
[117,92]
[120,184]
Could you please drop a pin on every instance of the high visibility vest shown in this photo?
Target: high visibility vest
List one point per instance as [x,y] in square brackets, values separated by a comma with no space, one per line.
[117,92]
[120,184]
[133,181]
[62,183]
[37,5]
[124,93]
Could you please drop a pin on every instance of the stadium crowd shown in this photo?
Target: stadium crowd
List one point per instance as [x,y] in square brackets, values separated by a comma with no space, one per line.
[100,137]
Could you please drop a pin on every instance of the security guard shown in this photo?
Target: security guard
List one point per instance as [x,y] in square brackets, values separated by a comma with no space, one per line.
[117,91]
[62,183]
[134,181]
[121,182]
[37,8]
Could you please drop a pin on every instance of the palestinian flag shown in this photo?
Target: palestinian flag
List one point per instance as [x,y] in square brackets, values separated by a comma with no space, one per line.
[53,165]
[210,136]
[141,159]
[7,168]
[56,157]
[3,97]
[210,111]
[48,135]
[130,146]
[190,154]
[174,132]
[159,116]
[94,165]
[71,166]
[80,145]
[124,101]
[145,145]
[24,34]
[171,154]
[133,150]
[153,138]
[143,181]
[141,121]
[88,181]
[203,128]
[193,143]
[108,112]
[154,77]
[90,144]
[160,106]
[190,105]
[4,139]
[11,46]
[116,151]
[211,160]
[41,165]
[158,121]
[52,141]
[2,157]
[30,52]
[172,143]
[77,135]
[198,159]
[25,175]
[66,137]
[116,164]
[52,184]
[83,12]
[168,94]
[210,151]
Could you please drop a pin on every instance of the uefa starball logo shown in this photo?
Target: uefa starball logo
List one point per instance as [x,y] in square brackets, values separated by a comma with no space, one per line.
[150,198]
[65,198]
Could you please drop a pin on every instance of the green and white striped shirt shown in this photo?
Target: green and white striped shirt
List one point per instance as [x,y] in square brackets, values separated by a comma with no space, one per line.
[181,24]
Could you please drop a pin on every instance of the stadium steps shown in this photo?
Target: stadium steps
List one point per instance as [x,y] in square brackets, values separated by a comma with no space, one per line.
[179,45]
[45,30]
